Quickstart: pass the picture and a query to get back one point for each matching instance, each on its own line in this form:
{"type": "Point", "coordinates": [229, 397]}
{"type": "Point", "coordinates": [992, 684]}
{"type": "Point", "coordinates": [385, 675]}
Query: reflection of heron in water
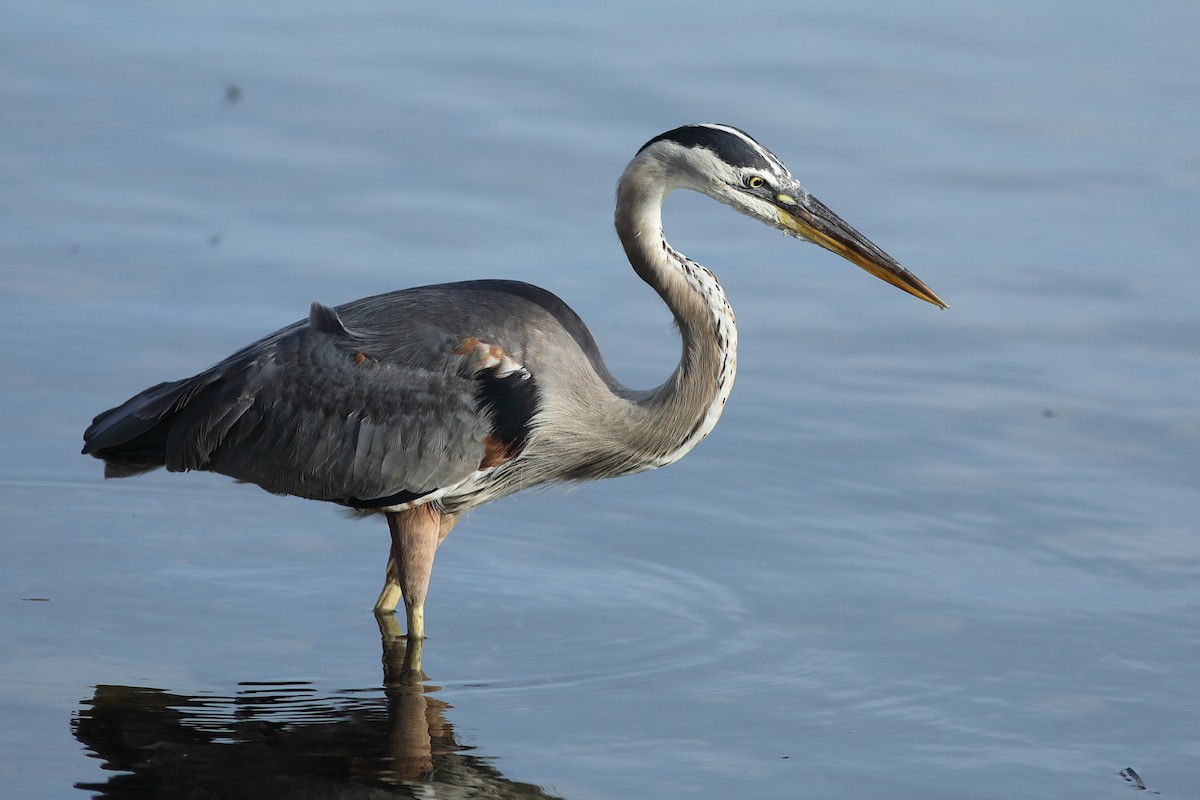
{"type": "Point", "coordinates": [424, 403]}
{"type": "Point", "coordinates": [281, 740]}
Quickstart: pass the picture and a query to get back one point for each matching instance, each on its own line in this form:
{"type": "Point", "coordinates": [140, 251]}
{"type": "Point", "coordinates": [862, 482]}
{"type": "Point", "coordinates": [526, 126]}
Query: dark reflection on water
{"type": "Point", "coordinates": [274, 740]}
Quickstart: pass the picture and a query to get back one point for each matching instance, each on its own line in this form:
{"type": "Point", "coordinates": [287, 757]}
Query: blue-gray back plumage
{"type": "Point", "coordinates": [375, 403]}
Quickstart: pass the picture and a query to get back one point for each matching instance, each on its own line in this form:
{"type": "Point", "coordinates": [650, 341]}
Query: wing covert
{"type": "Point", "coordinates": [321, 416]}
{"type": "Point", "coordinates": [363, 416]}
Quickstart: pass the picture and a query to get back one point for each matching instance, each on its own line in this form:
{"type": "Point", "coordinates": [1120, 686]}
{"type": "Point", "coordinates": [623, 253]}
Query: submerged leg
{"type": "Point", "coordinates": [416, 534]}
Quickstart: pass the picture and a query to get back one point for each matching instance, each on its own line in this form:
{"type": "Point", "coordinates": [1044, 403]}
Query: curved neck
{"type": "Point", "coordinates": [679, 413]}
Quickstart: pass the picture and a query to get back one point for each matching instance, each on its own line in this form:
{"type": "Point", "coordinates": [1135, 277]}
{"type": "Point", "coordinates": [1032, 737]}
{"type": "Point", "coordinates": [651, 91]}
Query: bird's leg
{"type": "Point", "coordinates": [389, 597]}
{"type": "Point", "coordinates": [416, 533]}
{"type": "Point", "coordinates": [448, 521]}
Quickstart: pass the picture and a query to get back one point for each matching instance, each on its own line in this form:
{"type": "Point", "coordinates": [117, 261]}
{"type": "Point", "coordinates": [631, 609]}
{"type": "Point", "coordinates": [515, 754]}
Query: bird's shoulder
{"type": "Point", "coordinates": [411, 325]}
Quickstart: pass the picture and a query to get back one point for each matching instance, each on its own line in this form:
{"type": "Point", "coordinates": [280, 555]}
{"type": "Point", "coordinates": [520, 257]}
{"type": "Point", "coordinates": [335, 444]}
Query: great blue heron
{"type": "Point", "coordinates": [424, 403]}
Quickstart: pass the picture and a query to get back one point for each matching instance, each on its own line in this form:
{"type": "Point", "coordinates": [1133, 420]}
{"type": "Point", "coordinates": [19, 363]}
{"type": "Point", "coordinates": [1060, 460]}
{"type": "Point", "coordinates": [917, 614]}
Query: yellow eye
{"type": "Point", "coordinates": [755, 182]}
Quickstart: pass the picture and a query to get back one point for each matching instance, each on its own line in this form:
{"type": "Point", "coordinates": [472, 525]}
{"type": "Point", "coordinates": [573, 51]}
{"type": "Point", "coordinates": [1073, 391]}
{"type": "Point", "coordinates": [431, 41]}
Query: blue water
{"type": "Point", "coordinates": [924, 554]}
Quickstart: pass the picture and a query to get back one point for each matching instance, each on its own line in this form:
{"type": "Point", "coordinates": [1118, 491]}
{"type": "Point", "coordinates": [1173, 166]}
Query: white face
{"type": "Point", "coordinates": [757, 187]}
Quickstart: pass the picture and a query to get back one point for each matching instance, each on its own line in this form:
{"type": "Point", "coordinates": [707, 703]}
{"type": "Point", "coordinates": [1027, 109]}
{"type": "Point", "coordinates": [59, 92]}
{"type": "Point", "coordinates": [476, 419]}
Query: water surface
{"type": "Point", "coordinates": [923, 555]}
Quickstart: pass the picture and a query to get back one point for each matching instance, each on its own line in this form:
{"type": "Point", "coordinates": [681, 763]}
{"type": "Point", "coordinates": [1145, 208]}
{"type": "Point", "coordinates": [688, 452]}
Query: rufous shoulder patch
{"type": "Point", "coordinates": [489, 356]}
{"type": "Point", "coordinates": [495, 452]}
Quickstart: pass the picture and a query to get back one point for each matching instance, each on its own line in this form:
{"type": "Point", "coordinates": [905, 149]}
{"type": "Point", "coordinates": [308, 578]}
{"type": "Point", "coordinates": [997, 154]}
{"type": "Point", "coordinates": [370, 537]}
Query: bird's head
{"type": "Point", "coordinates": [726, 164]}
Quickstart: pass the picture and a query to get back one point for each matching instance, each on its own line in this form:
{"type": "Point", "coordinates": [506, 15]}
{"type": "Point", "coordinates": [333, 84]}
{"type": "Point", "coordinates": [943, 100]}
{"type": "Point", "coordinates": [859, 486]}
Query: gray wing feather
{"type": "Point", "coordinates": [319, 409]}
{"type": "Point", "coordinates": [316, 414]}
{"type": "Point", "coordinates": [373, 399]}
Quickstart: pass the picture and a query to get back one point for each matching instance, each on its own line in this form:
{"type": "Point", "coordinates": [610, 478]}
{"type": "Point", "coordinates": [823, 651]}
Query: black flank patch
{"type": "Point", "coordinates": [511, 401]}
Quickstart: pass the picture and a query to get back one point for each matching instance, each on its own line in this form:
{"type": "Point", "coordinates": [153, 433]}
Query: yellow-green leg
{"type": "Point", "coordinates": [416, 534]}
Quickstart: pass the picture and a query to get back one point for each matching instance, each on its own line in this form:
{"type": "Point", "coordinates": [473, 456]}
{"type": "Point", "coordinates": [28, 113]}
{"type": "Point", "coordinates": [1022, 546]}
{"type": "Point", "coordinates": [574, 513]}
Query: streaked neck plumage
{"type": "Point", "coordinates": [680, 412]}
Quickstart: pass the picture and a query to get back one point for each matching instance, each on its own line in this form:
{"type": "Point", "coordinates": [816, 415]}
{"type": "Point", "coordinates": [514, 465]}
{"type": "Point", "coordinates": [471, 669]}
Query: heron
{"type": "Point", "coordinates": [423, 403]}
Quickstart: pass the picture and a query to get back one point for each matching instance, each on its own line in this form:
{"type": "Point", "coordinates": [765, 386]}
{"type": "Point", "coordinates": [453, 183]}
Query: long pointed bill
{"type": "Point", "coordinates": [813, 220]}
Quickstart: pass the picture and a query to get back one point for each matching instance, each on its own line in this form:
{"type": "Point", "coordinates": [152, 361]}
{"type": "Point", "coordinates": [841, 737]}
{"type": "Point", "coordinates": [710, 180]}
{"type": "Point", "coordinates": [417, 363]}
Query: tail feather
{"type": "Point", "coordinates": [132, 438]}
